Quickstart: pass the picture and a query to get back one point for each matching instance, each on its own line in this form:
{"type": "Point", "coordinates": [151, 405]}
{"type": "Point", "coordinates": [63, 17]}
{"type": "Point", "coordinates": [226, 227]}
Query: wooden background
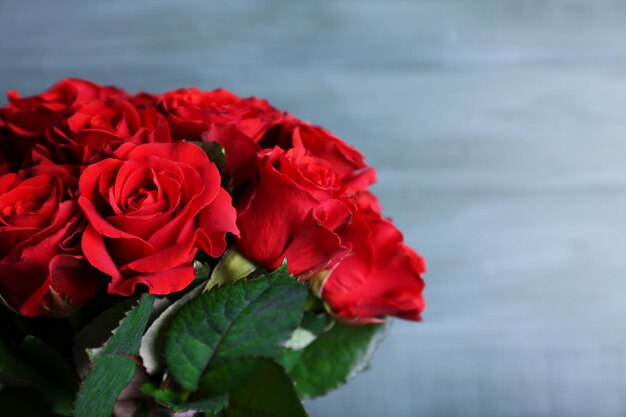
{"type": "Point", "coordinates": [499, 131]}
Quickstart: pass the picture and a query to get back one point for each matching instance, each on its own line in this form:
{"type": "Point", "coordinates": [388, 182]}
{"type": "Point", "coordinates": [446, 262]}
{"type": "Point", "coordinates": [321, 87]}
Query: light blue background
{"type": "Point", "coordinates": [499, 131]}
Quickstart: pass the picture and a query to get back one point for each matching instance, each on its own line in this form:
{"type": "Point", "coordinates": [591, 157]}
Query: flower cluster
{"type": "Point", "coordinates": [102, 191]}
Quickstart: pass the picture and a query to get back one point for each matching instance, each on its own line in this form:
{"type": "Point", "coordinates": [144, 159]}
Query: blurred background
{"type": "Point", "coordinates": [499, 132]}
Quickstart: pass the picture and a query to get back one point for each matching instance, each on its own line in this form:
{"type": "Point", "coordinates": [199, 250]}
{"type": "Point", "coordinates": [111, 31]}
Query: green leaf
{"type": "Point", "coordinates": [289, 357]}
{"type": "Point", "coordinates": [99, 391]}
{"type": "Point", "coordinates": [97, 333]}
{"type": "Point", "coordinates": [256, 387]}
{"type": "Point", "coordinates": [174, 401]}
{"type": "Point", "coordinates": [212, 405]}
{"type": "Point", "coordinates": [249, 317]}
{"type": "Point", "coordinates": [127, 337]}
{"type": "Point", "coordinates": [163, 395]}
{"type": "Point", "coordinates": [163, 311]}
{"type": "Point", "coordinates": [312, 326]}
{"type": "Point", "coordinates": [316, 323]}
{"type": "Point", "coordinates": [153, 341]}
{"type": "Point", "coordinates": [333, 358]}
{"type": "Point", "coordinates": [232, 267]}
{"type": "Point", "coordinates": [114, 367]}
{"type": "Point", "coordinates": [17, 366]}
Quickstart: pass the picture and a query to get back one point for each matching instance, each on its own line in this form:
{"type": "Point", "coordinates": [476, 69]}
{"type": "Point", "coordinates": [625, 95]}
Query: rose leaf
{"type": "Point", "coordinates": [97, 333]}
{"type": "Point", "coordinates": [333, 358]}
{"type": "Point", "coordinates": [114, 367]}
{"type": "Point", "coordinates": [99, 391]}
{"type": "Point", "coordinates": [256, 387]}
{"type": "Point", "coordinates": [153, 342]}
{"type": "Point", "coordinates": [174, 401]}
{"type": "Point", "coordinates": [127, 336]}
{"type": "Point", "coordinates": [248, 317]}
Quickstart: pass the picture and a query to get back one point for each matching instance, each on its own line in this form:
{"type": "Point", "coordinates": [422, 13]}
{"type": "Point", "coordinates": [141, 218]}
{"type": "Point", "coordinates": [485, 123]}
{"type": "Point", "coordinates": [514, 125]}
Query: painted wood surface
{"type": "Point", "coordinates": [499, 131]}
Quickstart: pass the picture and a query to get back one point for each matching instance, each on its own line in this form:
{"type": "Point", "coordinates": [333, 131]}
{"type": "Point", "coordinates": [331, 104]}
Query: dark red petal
{"type": "Point", "coordinates": [74, 279]}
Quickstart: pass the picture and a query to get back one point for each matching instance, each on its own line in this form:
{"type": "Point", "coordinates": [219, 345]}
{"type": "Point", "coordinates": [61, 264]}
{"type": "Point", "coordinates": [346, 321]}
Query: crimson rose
{"type": "Point", "coordinates": [31, 116]}
{"type": "Point", "coordinates": [28, 119]}
{"type": "Point", "coordinates": [223, 117]}
{"type": "Point", "coordinates": [300, 191]}
{"type": "Point", "coordinates": [347, 162]}
{"type": "Point", "coordinates": [149, 210]}
{"type": "Point", "coordinates": [380, 277]}
{"type": "Point", "coordinates": [96, 128]}
{"type": "Point", "coordinates": [42, 269]}
{"type": "Point", "coordinates": [292, 211]}
{"type": "Point", "coordinates": [193, 112]}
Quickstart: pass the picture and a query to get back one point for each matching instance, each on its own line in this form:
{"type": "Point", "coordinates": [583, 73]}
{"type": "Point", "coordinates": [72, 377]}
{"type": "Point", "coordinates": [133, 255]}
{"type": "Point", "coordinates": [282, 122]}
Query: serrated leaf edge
{"type": "Point", "coordinates": [148, 348]}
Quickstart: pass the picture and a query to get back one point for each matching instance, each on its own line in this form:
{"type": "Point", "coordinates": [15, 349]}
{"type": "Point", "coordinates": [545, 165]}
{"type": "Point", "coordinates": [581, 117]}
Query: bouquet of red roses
{"type": "Point", "coordinates": [186, 253]}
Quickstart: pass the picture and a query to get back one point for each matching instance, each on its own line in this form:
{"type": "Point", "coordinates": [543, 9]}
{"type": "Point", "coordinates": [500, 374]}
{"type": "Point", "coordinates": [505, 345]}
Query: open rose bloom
{"type": "Point", "coordinates": [186, 253]}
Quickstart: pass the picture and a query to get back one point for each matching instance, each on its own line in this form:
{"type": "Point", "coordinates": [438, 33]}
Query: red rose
{"type": "Point", "coordinates": [291, 212]}
{"type": "Point", "coordinates": [347, 162]}
{"type": "Point", "coordinates": [42, 270]}
{"type": "Point", "coordinates": [348, 165]}
{"type": "Point", "coordinates": [149, 210]}
{"type": "Point", "coordinates": [193, 112]}
{"type": "Point", "coordinates": [31, 116]}
{"type": "Point", "coordinates": [314, 175]}
{"type": "Point", "coordinates": [28, 119]}
{"type": "Point", "coordinates": [380, 277]}
{"type": "Point", "coordinates": [96, 128]}
{"type": "Point", "coordinates": [221, 116]}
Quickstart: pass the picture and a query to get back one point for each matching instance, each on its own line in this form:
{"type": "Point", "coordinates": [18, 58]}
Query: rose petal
{"type": "Point", "coordinates": [160, 283]}
{"type": "Point", "coordinates": [215, 221]}
{"type": "Point", "coordinates": [172, 257]}
{"type": "Point", "coordinates": [275, 213]}
{"type": "Point", "coordinates": [96, 253]}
